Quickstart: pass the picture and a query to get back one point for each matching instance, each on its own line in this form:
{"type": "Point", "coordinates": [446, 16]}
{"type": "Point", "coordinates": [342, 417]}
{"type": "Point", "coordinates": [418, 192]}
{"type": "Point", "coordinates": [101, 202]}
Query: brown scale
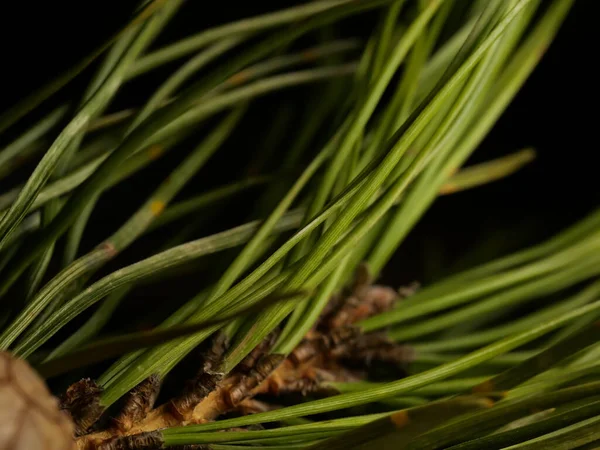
{"type": "Point", "coordinates": [393, 353]}
{"type": "Point", "coordinates": [375, 347]}
{"type": "Point", "coordinates": [203, 385]}
{"type": "Point", "coordinates": [213, 357]}
{"type": "Point", "coordinates": [151, 440]}
{"type": "Point", "coordinates": [243, 388]}
{"type": "Point", "coordinates": [310, 364]}
{"type": "Point", "coordinates": [309, 378]}
{"type": "Point", "coordinates": [138, 404]}
{"type": "Point", "coordinates": [363, 300]}
{"type": "Point", "coordinates": [205, 381]}
{"type": "Point", "coordinates": [322, 343]}
{"type": "Point", "coordinates": [248, 363]}
{"type": "Point", "coordinates": [304, 386]}
{"type": "Point", "coordinates": [82, 402]}
{"type": "Point", "coordinates": [399, 354]}
{"type": "Point", "coordinates": [361, 342]}
{"type": "Point", "coordinates": [338, 300]}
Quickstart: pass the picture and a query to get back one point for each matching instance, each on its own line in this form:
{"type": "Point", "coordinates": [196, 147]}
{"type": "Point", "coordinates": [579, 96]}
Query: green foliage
{"type": "Point", "coordinates": [390, 123]}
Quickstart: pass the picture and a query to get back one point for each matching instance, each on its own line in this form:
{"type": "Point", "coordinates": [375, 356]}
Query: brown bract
{"type": "Point", "coordinates": [363, 299]}
{"type": "Point", "coordinates": [81, 402]}
{"type": "Point", "coordinates": [29, 415]}
{"type": "Point", "coordinates": [139, 403]}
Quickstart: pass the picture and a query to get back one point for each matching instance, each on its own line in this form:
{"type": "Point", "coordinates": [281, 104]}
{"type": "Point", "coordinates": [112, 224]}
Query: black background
{"type": "Point", "coordinates": [555, 113]}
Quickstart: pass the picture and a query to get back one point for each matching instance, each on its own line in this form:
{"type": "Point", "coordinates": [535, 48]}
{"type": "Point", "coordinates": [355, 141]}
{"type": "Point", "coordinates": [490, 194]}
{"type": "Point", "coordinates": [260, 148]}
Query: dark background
{"type": "Point", "coordinates": [554, 113]}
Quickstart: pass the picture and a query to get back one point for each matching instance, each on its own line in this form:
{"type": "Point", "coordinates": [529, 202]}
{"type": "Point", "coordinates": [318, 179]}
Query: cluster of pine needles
{"type": "Point", "coordinates": [287, 340]}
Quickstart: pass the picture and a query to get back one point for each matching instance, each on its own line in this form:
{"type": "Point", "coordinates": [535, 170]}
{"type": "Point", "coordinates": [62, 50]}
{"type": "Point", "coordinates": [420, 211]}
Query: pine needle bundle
{"type": "Point", "coordinates": [271, 235]}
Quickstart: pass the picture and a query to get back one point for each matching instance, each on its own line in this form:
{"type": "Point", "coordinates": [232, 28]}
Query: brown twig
{"type": "Point", "coordinates": [319, 357]}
